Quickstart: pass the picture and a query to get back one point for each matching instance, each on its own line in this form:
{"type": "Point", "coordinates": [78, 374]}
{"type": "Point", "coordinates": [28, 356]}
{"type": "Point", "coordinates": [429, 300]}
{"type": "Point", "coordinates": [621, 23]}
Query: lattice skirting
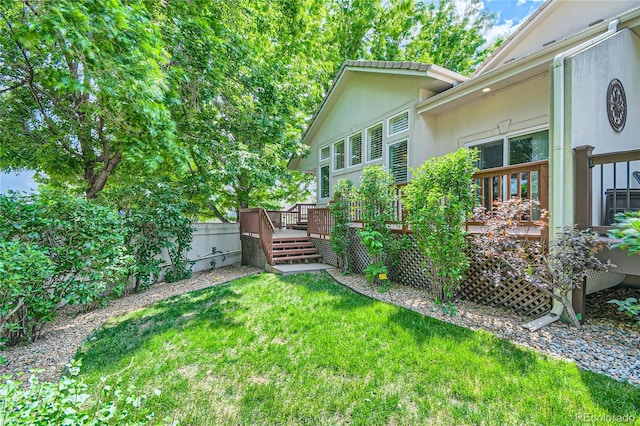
{"type": "Point", "coordinates": [408, 268]}
{"type": "Point", "coordinates": [324, 248]}
{"type": "Point", "coordinates": [515, 294]}
{"type": "Point", "coordinates": [252, 253]}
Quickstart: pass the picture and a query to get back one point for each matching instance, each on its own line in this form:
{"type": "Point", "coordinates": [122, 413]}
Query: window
{"type": "Point", "coordinates": [398, 161]}
{"type": "Point", "coordinates": [338, 155]}
{"type": "Point", "coordinates": [491, 155]}
{"type": "Point", "coordinates": [399, 123]}
{"type": "Point", "coordinates": [324, 182]}
{"type": "Point", "coordinates": [529, 148]}
{"type": "Point", "coordinates": [518, 150]}
{"type": "Point", "coordinates": [355, 149]}
{"type": "Point", "coordinates": [325, 153]}
{"type": "Point", "coordinates": [374, 142]}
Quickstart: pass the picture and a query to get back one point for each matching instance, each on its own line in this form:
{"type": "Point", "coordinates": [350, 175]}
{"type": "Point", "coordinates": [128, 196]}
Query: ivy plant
{"type": "Point", "coordinates": [340, 212]}
{"type": "Point", "coordinates": [439, 200]}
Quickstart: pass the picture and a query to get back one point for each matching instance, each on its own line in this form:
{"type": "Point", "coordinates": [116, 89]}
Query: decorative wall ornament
{"type": "Point", "coordinates": [616, 105]}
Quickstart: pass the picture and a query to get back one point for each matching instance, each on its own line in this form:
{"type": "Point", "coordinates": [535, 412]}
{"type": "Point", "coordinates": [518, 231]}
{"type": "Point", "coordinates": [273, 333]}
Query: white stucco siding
{"type": "Point", "coordinates": [517, 108]}
{"type": "Point", "coordinates": [590, 73]}
{"type": "Point", "coordinates": [365, 100]}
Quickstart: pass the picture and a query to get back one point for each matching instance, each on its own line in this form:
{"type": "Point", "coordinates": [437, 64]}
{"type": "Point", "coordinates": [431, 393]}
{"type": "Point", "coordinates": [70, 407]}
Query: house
{"type": "Point", "coordinates": [554, 113]}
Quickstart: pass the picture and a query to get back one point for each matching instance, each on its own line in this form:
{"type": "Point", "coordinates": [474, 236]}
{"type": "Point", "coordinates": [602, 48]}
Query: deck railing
{"type": "Point", "coordinates": [297, 214]}
{"type": "Point", "coordinates": [256, 222]}
{"type": "Point", "coordinates": [606, 184]}
{"type": "Point", "coordinates": [529, 181]}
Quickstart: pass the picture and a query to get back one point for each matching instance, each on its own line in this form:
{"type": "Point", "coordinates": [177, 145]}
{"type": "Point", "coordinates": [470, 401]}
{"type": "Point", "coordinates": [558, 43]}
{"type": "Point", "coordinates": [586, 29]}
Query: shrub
{"type": "Point", "coordinates": [339, 209]}
{"type": "Point", "coordinates": [377, 198]}
{"type": "Point", "coordinates": [68, 402]}
{"type": "Point", "coordinates": [155, 218]}
{"type": "Point", "coordinates": [557, 271]}
{"type": "Point", "coordinates": [627, 232]}
{"type": "Point", "coordinates": [26, 297]}
{"type": "Point", "coordinates": [630, 306]}
{"type": "Point", "coordinates": [83, 241]}
{"type": "Point", "coordinates": [439, 200]}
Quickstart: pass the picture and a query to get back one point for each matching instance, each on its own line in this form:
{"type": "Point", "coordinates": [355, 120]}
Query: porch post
{"type": "Point", "coordinates": [582, 214]}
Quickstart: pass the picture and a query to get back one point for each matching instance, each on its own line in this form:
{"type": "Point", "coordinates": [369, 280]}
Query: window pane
{"type": "Point", "coordinates": [525, 149]}
{"type": "Point", "coordinates": [398, 161]}
{"type": "Point", "coordinates": [324, 182]}
{"type": "Point", "coordinates": [338, 152]}
{"type": "Point", "coordinates": [399, 123]}
{"type": "Point", "coordinates": [374, 142]}
{"type": "Point", "coordinates": [355, 148]}
{"type": "Point", "coordinates": [325, 153]}
{"type": "Point", "coordinates": [491, 155]}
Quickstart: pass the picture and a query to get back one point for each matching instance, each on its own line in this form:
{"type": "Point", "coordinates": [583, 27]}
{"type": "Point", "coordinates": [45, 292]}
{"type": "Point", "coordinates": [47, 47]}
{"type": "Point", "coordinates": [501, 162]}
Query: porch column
{"type": "Point", "coordinates": [582, 210]}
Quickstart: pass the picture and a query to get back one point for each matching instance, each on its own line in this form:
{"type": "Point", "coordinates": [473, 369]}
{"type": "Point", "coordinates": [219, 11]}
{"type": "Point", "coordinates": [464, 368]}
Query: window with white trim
{"type": "Point", "coordinates": [325, 153]}
{"type": "Point", "coordinates": [511, 150]}
{"type": "Point", "coordinates": [323, 181]}
{"type": "Point", "coordinates": [338, 155]}
{"type": "Point", "coordinates": [399, 123]}
{"type": "Point", "coordinates": [398, 161]}
{"type": "Point", "coordinates": [374, 142]}
{"type": "Point", "coordinates": [355, 149]}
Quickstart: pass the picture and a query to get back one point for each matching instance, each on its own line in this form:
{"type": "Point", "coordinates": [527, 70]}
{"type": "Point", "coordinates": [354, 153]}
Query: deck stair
{"type": "Point", "coordinates": [300, 226]}
{"type": "Point", "coordinates": [294, 249]}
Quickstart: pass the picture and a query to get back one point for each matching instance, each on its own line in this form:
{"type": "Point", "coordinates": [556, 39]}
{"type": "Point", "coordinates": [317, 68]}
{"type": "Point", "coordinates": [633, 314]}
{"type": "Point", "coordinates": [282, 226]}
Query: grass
{"type": "Point", "coordinates": [302, 350]}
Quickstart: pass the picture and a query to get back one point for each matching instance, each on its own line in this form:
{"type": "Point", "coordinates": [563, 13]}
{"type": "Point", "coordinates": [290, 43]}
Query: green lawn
{"type": "Point", "coordinates": [303, 350]}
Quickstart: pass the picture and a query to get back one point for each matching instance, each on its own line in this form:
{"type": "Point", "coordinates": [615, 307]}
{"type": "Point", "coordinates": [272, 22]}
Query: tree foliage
{"type": "Point", "coordinates": [439, 200]}
{"type": "Point", "coordinates": [212, 95]}
{"type": "Point", "coordinates": [83, 89]}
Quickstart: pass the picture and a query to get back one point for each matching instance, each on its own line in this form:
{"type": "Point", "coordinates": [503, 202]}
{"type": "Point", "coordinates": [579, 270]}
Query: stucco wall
{"type": "Point", "coordinates": [515, 109]}
{"type": "Point", "coordinates": [590, 73]}
{"type": "Point", "coordinates": [364, 100]}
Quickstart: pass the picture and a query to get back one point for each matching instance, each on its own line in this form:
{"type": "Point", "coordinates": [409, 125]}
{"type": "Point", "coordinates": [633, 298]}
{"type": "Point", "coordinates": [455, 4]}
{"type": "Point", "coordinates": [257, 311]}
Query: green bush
{"type": "Point", "coordinates": [627, 232]}
{"type": "Point", "coordinates": [339, 209]}
{"type": "Point", "coordinates": [26, 299]}
{"type": "Point", "coordinates": [83, 242]}
{"type": "Point", "coordinates": [68, 402]}
{"type": "Point", "coordinates": [378, 200]}
{"type": "Point", "coordinates": [439, 200]}
{"type": "Point", "coordinates": [155, 217]}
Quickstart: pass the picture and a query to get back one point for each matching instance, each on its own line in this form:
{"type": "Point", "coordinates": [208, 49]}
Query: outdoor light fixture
{"type": "Point", "coordinates": [486, 90]}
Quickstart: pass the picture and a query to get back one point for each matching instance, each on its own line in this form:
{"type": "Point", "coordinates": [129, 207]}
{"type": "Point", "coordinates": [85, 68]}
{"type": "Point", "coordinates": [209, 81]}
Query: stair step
{"type": "Point", "coordinates": [291, 252]}
{"type": "Point", "coordinates": [304, 239]}
{"type": "Point", "coordinates": [293, 245]}
{"type": "Point", "coordinates": [286, 259]}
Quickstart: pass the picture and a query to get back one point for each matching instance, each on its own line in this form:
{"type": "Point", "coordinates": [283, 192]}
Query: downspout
{"type": "Point", "coordinates": [561, 160]}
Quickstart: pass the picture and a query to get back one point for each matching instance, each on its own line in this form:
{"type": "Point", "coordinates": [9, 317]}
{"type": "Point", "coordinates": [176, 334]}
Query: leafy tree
{"type": "Point", "coordinates": [82, 90]}
{"type": "Point", "coordinates": [439, 200]}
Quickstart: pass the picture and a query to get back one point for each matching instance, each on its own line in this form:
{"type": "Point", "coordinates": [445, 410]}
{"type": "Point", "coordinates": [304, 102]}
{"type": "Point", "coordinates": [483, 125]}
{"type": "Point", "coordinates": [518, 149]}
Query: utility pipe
{"type": "Point", "coordinates": [558, 159]}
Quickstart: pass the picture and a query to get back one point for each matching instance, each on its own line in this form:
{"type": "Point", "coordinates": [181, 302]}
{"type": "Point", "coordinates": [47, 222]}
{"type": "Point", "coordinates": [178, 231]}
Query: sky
{"type": "Point", "coordinates": [509, 14]}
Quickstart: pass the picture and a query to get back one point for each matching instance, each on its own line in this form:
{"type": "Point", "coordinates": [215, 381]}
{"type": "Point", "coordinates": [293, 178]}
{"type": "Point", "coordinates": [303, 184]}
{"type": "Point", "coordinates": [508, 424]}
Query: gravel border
{"type": "Point", "coordinates": [608, 347]}
{"type": "Point", "coordinates": [603, 346]}
{"type": "Point", "coordinates": [61, 338]}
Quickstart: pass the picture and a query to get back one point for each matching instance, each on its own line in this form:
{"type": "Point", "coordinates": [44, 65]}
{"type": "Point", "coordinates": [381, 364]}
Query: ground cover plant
{"type": "Point", "coordinates": [301, 349]}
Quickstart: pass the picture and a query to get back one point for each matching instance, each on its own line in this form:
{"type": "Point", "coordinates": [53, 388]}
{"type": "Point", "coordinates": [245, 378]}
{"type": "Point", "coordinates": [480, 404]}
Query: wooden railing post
{"type": "Point", "coordinates": [583, 186]}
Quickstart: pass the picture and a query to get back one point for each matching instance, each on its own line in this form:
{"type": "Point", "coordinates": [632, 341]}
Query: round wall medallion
{"type": "Point", "coordinates": [616, 105]}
